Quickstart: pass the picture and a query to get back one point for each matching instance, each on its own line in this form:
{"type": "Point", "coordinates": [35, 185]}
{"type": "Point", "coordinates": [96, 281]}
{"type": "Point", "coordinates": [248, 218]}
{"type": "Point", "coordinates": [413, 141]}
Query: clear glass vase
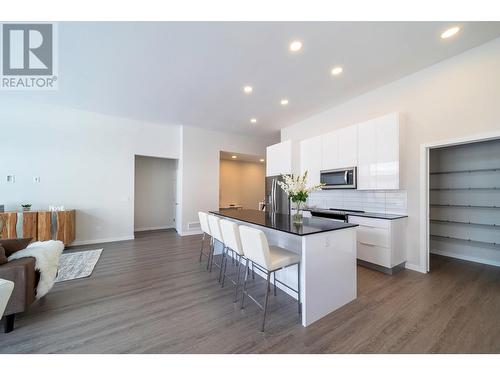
{"type": "Point", "coordinates": [298, 215]}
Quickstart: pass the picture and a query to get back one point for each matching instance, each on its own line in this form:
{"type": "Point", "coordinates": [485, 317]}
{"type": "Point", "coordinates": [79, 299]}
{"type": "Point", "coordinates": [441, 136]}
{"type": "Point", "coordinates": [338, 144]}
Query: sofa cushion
{"type": "Point", "coordinates": [3, 257]}
{"type": "Point", "coordinates": [11, 245]}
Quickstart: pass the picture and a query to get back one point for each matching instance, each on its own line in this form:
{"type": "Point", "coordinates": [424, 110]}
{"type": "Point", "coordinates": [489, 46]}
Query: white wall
{"type": "Point", "coordinates": [85, 161]}
{"type": "Point", "coordinates": [154, 193]}
{"type": "Point", "coordinates": [457, 97]}
{"type": "Point", "coordinates": [200, 169]}
{"type": "Point", "coordinates": [242, 183]}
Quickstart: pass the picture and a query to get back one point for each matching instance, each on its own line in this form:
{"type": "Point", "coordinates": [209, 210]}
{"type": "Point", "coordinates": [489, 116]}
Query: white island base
{"type": "Point", "coordinates": [328, 268]}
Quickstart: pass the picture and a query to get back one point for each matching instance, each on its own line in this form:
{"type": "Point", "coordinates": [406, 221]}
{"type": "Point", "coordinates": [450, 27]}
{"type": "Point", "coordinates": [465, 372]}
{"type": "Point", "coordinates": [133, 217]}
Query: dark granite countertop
{"type": "Point", "coordinates": [373, 215]}
{"type": "Point", "coordinates": [284, 223]}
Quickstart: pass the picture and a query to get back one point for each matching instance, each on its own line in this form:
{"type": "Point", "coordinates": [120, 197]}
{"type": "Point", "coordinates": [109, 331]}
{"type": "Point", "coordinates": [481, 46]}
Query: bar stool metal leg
{"type": "Point", "coordinates": [244, 286]}
{"type": "Point", "coordinates": [237, 279]}
{"type": "Point", "coordinates": [211, 257]}
{"type": "Point", "coordinates": [202, 242]}
{"type": "Point", "coordinates": [265, 303]}
{"type": "Point", "coordinates": [274, 276]}
{"type": "Point", "coordinates": [223, 257]}
{"type": "Point", "coordinates": [225, 267]}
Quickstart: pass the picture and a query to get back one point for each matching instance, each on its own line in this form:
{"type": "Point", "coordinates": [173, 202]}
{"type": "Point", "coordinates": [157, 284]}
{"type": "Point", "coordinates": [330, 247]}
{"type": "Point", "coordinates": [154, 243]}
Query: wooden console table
{"type": "Point", "coordinates": [39, 225]}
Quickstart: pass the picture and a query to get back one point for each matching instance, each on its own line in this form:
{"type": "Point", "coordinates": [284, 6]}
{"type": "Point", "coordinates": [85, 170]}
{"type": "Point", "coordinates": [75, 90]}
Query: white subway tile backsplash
{"type": "Point", "coordinates": [381, 201]}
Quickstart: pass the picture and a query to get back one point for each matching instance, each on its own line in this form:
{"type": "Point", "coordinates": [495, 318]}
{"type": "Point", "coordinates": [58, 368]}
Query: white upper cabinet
{"type": "Point", "coordinates": [378, 153]}
{"type": "Point", "coordinates": [348, 147]}
{"type": "Point", "coordinates": [388, 152]}
{"type": "Point", "coordinates": [330, 150]}
{"type": "Point", "coordinates": [340, 148]}
{"type": "Point", "coordinates": [367, 156]}
{"type": "Point", "coordinates": [279, 159]}
{"type": "Point", "coordinates": [310, 159]}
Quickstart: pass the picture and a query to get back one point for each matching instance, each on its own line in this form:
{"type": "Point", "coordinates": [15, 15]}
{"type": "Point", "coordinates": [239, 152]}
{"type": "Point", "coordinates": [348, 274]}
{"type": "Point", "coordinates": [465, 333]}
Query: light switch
{"type": "Point", "coordinates": [36, 179]}
{"type": "Point", "coordinates": [11, 178]}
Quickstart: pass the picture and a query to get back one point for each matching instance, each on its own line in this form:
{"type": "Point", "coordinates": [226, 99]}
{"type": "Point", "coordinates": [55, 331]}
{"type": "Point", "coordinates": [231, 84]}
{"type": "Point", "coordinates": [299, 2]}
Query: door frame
{"type": "Point", "coordinates": [177, 204]}
{"type": "Point", "coordinates": [424, 187]}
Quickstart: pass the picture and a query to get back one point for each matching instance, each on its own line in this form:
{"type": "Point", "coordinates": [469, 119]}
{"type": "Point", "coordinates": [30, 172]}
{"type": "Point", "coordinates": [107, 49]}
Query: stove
{"type": "Point", "coordinates": [337, 214]}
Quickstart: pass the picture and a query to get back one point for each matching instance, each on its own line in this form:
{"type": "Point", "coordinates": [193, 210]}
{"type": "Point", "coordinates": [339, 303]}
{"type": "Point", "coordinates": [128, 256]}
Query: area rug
{"type": "Point", "coordinates": [77, 265]}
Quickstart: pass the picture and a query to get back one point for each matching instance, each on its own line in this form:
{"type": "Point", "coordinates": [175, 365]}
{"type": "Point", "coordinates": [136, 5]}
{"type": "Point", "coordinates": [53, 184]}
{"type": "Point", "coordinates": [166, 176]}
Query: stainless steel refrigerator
{"type": "Point", "coordinates": [276, 199]}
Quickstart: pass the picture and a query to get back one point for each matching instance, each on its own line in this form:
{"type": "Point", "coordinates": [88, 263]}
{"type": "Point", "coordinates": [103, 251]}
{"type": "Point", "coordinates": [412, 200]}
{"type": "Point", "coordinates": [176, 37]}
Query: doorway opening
{"type": "Point", "coordinates": [242, 181]}
{"type": "Point", "coordinates": [463, 202]}
{"type": "Point", "coordinates": [155, 193]}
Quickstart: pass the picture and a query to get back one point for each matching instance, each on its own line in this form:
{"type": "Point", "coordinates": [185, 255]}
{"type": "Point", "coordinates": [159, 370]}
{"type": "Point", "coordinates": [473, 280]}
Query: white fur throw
{"type": "Point", "coordinates": [46, 254]}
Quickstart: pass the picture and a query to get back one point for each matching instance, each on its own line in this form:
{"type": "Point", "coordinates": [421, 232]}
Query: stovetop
{"type": "Point", "coordinates": [341, 210]}
{"type": "Point", "coordinates": [340, 213]}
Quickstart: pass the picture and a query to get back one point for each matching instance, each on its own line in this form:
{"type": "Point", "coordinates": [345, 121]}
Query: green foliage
{"type": "Point", "coordinates": [300, 196]}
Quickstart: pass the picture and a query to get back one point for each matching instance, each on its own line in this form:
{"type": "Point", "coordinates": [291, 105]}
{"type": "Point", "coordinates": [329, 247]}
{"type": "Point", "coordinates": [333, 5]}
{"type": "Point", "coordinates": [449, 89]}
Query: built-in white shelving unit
{"type": "Point", "coordinates": [465, 201]}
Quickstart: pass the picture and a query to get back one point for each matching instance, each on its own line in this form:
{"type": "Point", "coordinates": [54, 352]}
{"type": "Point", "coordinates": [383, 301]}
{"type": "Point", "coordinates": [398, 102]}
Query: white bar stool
{"type": "Point", "coordinates": [205, 228]}
{"type": "Point", "coordinates": [232, 240]}
{"type": "Point", "coordinates": [215, 230]}
{"type": "Point", "coordinates": [270, 259]}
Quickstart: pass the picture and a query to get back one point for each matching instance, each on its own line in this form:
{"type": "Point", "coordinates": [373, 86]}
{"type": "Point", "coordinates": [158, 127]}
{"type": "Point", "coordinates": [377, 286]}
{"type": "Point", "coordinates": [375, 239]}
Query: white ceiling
{"type": "Point", "coordinates": [225, 155]}
{"type": "Point", "coordinates": [193, 73]}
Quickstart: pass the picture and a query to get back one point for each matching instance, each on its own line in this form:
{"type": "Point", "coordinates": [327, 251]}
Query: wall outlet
{"type": "Point", "coordinates": [11, 178]}
{"type": "Point", "coordinates": [36, 179]}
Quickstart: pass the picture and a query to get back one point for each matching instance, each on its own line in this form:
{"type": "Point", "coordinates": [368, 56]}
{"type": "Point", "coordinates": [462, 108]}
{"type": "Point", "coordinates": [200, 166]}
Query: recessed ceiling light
{"type": "Point", "coordinates": [450, 32]}
{"type": "Point", "coordinates": [262, 160]}
{"type": "Point", "coordinates": [295, 46]}
{"type": "Point", "coordinates": [233, 157]}
{"type": "Point", "coordinates": [337, 70]}
{"type": "Point", "coordinates": [253, 120]}
{"type": "Point", "coordinates": [284, 101]}
{"type": "Point", "coordinates": [248, 89]}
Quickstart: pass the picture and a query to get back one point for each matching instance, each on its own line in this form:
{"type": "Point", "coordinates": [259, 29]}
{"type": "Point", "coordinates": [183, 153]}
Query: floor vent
{"type": "Point", "coordinates": [195, 225]}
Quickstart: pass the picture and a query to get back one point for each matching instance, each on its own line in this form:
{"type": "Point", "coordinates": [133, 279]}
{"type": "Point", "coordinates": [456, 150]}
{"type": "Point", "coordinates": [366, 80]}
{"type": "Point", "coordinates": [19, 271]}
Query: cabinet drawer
{"type": "Point", "coordinates": [370, 222]}
{"type": "Point", "coordinates": [373, 236]}
{"type": "Point", "coordinates": [374, 254]}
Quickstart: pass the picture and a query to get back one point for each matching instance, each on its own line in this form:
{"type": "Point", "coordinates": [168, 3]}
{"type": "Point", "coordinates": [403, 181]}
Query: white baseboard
{"type": "Point", "coordinates": [465, 257]}
{"type": "Point", "coordinates": [102, 240]}
{"type": "Point", "coordinates": [153, 228]}
{"type": "Point", "coordinates": [415, 267]}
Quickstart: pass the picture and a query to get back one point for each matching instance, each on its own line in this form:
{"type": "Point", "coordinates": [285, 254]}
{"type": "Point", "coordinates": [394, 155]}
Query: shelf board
{"type": "Point", "coordinates": [463, 206]}
{"type": "Point", "coordinates": [464, 223]}
{"type": "Point", "coordinates": [465, 240]}
{"type": "Point", "coordinates": [467, 171]}
{"type": "Point", "coordinates": [466, 188]}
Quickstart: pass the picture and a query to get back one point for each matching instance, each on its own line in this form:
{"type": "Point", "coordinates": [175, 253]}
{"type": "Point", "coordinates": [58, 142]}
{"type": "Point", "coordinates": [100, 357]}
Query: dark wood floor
{"type": "Point", "coordinates": [151, 295]}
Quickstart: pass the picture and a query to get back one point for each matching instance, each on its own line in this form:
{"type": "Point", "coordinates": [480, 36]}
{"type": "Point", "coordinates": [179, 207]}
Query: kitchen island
{"type": "Point", "coordinates": [328, 258]}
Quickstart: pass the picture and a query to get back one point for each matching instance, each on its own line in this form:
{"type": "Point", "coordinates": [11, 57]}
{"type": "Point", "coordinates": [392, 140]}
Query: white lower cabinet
{"type": "Point", "coordinates": [380, 241]}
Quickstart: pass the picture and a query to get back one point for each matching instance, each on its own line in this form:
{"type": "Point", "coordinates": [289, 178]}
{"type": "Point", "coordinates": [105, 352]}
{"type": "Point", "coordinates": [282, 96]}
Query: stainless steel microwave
{"type": "Point", "coordinates": [343, 178]}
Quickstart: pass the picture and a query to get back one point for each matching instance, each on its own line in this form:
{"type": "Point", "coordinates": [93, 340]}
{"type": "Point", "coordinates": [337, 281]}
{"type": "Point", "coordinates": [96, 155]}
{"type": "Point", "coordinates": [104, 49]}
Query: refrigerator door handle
{"type": "Point", "coordinates": [273, 196]}
{"type": "Point", "coordinates": [275, 204]}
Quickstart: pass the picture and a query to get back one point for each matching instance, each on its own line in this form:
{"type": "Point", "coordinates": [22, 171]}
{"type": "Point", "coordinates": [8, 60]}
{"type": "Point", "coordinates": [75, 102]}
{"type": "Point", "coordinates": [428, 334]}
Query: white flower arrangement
{"type": "Point", "coordinates": [296, 188]}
